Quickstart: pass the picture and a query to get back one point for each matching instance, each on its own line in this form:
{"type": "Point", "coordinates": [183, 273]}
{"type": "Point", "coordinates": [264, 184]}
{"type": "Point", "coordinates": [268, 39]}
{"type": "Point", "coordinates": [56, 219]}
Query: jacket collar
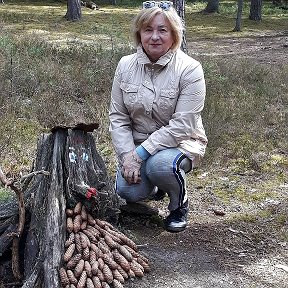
{"type": "Point", "coordinates": [162, 61]}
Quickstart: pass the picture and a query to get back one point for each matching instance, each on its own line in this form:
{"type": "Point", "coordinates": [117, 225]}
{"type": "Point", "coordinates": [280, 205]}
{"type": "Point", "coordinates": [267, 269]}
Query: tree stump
{"type": "Point", "coordinates": [76, 173]}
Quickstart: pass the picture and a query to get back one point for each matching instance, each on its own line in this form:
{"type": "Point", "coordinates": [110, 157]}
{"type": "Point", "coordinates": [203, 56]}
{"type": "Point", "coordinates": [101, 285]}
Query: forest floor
{"type": "Point", "coordinates": [238, 227]}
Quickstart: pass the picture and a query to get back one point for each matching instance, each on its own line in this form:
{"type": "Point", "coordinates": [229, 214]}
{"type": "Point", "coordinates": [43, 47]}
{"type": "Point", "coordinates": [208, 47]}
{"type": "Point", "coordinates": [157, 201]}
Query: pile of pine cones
{"type": "Point", "coordinates": [98, 255]}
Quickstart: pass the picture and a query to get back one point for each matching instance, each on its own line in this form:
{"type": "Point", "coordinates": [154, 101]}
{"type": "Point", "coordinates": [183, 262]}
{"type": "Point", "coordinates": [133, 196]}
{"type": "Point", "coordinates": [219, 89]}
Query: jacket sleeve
{"type": "Point", "coordinates": [185, 123]}
{"type": "Point", "coordinates": [120, 123]}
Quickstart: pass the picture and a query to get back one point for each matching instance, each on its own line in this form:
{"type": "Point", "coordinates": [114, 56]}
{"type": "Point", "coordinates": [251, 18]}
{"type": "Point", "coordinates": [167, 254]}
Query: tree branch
{"type": "Point", "coordinates": [16, 236]}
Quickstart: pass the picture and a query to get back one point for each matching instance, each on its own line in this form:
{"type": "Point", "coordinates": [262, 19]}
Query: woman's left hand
{"type": "Point", "coordinates": [131, 165]}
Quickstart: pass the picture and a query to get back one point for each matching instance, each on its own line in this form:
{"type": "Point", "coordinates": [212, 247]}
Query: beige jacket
{"type": "Point", "coordinates": [158, 105]}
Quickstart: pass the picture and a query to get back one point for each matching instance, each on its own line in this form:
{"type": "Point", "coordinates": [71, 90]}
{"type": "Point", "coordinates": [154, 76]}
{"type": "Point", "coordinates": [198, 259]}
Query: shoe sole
{"type": "Point", "coordinates": [175, 230]}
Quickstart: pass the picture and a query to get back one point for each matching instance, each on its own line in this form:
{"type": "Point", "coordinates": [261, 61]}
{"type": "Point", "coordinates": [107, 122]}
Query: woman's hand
{"type": "Point", "coordinates": [131, 165]}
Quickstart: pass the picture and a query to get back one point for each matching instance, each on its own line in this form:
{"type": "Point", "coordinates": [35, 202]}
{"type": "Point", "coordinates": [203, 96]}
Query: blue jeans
{"type": "Point", "coordinates": [167, 170]}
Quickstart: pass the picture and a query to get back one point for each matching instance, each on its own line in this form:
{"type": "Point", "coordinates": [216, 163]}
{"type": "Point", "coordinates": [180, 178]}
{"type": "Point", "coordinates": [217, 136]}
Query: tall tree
{"type": "Point", "coordinates": [74, 12]}
{"type": "Point", "coordinates": [212, 6]}
{"type": "Point", "coordinates": [180, 8]}
{"type": "Point", "coordinates": [239, 16]}
{"type": "Point", "coordinates": [256, 10]}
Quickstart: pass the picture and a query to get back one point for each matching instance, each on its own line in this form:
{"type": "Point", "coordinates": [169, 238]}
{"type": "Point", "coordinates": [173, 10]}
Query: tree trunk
{"type": "Point", "coordinates": [180, 8]}
{"type": "Point", "coordinates": [73, 10]}
{"type": "Point", "coordinates": [212, 6]}
{"type": "Point", "coordinates": [239, 16]}
{"type": "Point", "coordinates": [256, 10]}
{"type": "Point", "coordinates": [74, 166]}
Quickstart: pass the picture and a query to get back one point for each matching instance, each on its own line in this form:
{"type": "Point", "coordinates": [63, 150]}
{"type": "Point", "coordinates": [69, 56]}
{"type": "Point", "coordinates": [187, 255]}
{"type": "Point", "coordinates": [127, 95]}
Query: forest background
{"type": "Point", "coordinates": [53, 72]}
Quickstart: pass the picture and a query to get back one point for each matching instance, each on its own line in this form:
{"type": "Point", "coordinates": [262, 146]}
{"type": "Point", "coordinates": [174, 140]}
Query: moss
{"type": "Point", "coordinates": [5, 194]}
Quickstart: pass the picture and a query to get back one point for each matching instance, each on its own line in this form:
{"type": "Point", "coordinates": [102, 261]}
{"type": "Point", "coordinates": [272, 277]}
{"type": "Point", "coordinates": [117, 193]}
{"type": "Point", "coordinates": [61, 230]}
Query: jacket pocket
{"type": "Point", "coordinates": [129, 94]}
{"type": "Point", "coordinates": [167, 101]}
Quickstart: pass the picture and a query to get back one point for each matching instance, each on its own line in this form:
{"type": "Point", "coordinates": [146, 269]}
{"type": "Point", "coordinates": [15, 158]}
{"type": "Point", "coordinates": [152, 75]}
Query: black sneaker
{"type": "Point", "coordinates": [159, 195]}
{"type": "Point", "coordinates": [177, 219]}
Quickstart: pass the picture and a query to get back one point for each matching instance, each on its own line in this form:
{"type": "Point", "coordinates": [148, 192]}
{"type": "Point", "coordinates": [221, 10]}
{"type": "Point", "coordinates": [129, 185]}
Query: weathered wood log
{"type": "Point", "coordinates": [74, 168]}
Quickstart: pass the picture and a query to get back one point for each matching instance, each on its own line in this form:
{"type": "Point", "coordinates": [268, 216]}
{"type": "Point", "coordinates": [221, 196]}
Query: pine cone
{"type": "Point", "coordinates": [82, 280]}
{"type": "Point", "coordinates": [117, 275]}
{"type": "Point", "coordinates": [93, 257]}
{"type": "Point", "coordinates": [86, 253]}
{"type": "Point", "coordinates": [78, 208]}
{"type": "Point", "coordinates": [100, 263]}
{"type": "Point", "coordinates": [95, 232]}
{"type": "Point", "coordinates": [131, 273]}
{"type": "Point", "coordinates": [97, 250]}
{"type": "Point", "coordinates": [108, 275]}
{"type": "Point", "coordinates": [77, 223]}
{"type": "Point", "coordinates": [110, 262]}
{"type": "Point", "coordinates": [73, 261]}
{"type": "Point", "coordinates": [99, 223]}
{"type": "Point", "coordinates": [88, 268]}
{"type": "Point", "coordinates": [70, 240]}
{"type": "Point", "coordinates": [122, 272]}
{"type": "Point", "coordinates": [144, 264]}
{"type": "Point", "coordinates": [63, 277]}
{"type": "Point", "coordinates": [72, 278]}
{"type": "Point", "coordinates": [83, 225]}
{"type": "Point", "coordinates": [121, 260]}
{"type": "Point", "coordinates": [84, 214]}
{"type": "Point", "coordinates": [125, 253]}
{"type": "Point", "coordinates": [100, 275]}
{"type": "Point", "coordinates": [89, 283]}
{"type": "Point", "coordinates": [79, 268]}
{"type": "Point", "coordinates": [117, 284]}
{"type": "Point", "coordinates": [105, 285]}
{"type": "Point", "coordinates": [90, 235]}
{"type": "Point", "coordinates": [85, 242]}
{"type": "Point", "coordinates": [137, 269]}
{"type": "Point", "coordinates": [132, 251]}
{"type": "Point", "coordinates": [69, 252]}
{"type": "Point", "coordinates": [110, 242]}
{"type": "Point", "coordinates": [69, 224]}
{"type": "Point", "coordinates": [128, 241]}
{"type": "Point", "coordinates": [94, 268]}
{"type": "Point", "coordinates": [96, 282]}
{"type": "Point", "coordinates": [90, 219]}
{"type": "Point", "coordinates": [78, 243]}
{"type": "Point", "coordinates": [69, 212]}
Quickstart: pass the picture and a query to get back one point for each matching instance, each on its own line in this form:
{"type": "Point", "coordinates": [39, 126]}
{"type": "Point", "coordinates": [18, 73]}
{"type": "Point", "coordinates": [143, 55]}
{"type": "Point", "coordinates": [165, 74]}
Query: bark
{"type": "Point", "coordinates": [212, 6]}
{"type": "Point", "coordinates": [180, 8]}
{"type": "Point", "coordinates": [256, 10]}
{"type": "Point", "coordinates": [73, 165]}
{"type": "Point", "coordinates": [239, 16]}
{"type": "Point", "coordinates": [73, 10]}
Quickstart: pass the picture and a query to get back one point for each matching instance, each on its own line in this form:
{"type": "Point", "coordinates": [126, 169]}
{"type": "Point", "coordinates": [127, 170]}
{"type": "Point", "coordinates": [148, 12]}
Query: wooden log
{"type": "Point", "coordinates": [74, 168]}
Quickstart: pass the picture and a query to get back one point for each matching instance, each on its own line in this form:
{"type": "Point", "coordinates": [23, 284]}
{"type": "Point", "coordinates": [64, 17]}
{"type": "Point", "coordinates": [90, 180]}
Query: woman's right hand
{"type": "Point", "coordinates": [131, 165]}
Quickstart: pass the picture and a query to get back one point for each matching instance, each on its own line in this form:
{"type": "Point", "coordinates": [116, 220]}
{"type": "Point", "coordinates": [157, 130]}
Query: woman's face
{"type": "Point", "coordinates": [156, 38]}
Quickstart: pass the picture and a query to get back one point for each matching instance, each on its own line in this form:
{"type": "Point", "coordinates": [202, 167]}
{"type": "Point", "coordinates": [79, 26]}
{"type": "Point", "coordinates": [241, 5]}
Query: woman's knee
{"type": "Point", "coordinates": [131, 193]}
{"type": "Point", "coordinates": [163, 163]}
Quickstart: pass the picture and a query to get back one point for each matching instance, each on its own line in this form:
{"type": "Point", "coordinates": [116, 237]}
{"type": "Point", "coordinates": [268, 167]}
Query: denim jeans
{"type": "Point", "coordinates": [167, 170]}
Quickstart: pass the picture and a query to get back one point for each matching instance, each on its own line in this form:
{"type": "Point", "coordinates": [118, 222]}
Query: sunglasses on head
{"type": "Point", "coordinates": [165, 5]}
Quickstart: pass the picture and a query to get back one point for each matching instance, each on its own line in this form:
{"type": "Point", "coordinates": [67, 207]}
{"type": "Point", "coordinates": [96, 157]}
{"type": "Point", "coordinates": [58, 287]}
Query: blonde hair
{"type": "Point", "coordinates": [144, 18]}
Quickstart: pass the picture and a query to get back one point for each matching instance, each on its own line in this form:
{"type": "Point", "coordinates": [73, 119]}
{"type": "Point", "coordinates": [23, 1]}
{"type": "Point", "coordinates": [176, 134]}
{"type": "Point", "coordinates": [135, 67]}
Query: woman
{"type": "Point", "coordinates": [155, 123]}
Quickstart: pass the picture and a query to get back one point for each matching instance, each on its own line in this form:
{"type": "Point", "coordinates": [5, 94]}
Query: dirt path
{"type": "Point", "coordinates": [272, 48]}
